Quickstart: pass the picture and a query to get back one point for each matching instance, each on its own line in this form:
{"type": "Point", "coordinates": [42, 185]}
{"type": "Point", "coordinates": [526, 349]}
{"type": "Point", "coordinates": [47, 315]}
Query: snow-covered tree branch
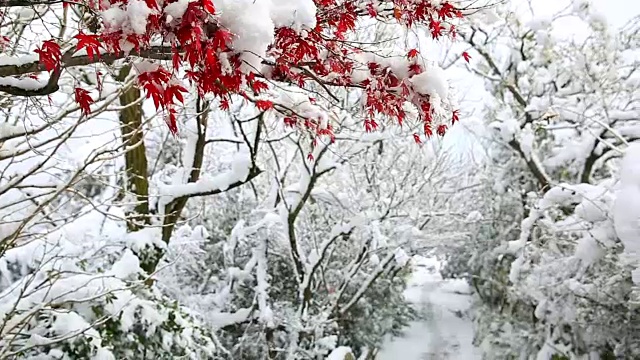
{"type": "Point", "coordinates": [551, 263]}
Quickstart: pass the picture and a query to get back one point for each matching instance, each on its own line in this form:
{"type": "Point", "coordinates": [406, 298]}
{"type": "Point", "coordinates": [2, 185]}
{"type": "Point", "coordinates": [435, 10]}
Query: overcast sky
{"type": "Point", "coordinates": [617, 12]}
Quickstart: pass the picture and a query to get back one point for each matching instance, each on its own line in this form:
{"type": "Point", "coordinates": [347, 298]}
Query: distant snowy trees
{"type": "Point", "coordinates": [551, 263]}
{"type": "Point", "coordinates": [216, 179]}
{"type": "Point", "coordinates": [319, 256]}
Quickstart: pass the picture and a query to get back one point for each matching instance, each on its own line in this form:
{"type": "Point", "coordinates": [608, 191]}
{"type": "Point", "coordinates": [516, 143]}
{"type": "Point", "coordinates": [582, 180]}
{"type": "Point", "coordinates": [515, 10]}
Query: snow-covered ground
{"type": "Point", "coordinates": [447, 332]}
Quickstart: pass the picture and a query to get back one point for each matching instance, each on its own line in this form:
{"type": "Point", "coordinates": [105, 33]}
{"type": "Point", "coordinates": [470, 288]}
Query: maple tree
{"type": "Point", "coordinates": [188, 40]}
{"type": "Point", "coordinates": [299, 62]}
{"type": "Point", "coordinates": [285, 73]}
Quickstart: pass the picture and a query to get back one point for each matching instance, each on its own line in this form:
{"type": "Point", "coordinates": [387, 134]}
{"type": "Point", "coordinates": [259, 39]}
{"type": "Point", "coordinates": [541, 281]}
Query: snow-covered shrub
{"type": "Point", "coordinates": [548, 266]}
{"type": "Point", "coordinates": [82, 295]}
{"type": "Point", "coordinates": [275, 279]}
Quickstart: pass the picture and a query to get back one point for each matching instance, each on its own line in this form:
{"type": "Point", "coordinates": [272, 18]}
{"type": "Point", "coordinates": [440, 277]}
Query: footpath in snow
{"type": "Point", "coordinates": [446, 332]}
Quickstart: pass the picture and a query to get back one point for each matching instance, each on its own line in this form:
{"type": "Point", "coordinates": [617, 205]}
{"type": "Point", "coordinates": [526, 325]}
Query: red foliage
{"type": "Point", "coordinates": [370, 125]}
{"type": "Point", "coordinates": [49, 55]}
{"type": "Point", "coordinates": [158, 86]}
{"type": "Point", "coordinates": [4, 41]}
{"type": "Point", "coordinates": [91, 43]}
{"type": "Point", "coordinates": [290, 121]}
{"type": "Point", "coordinates": [466, 56]}
{"type": "Point", "coordinates": [442, 129]}
{"type": "Point", "coordinates": [84, 100]}
{"type": "Point", "coordinates": [259, 86]}
{"type": "Point", "coordinates": [264, 105]}
{"type": "Point", "coordinates": [455, 116]}
{"type": "Point", "coordinates": [203, 48]}
{"type": "Point", "coordinates": [207, 5]}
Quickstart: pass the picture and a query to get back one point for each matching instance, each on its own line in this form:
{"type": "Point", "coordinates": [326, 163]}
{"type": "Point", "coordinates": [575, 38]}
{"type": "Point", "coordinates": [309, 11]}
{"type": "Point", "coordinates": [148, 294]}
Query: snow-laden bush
{"type": "Point", "coordinates": [78, 293]}
{"type": "Point", "coordinates": [277, 279]}
{"type": "Point", "coordinates": [549, 263]}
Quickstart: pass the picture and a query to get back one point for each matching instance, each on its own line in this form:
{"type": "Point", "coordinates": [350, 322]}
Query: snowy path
{"type": "Point", "coordinates": [444, 335]}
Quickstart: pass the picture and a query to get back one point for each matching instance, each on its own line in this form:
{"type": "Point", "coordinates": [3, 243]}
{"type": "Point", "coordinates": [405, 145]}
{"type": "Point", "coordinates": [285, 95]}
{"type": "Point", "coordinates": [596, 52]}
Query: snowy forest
{"type": "Point", "coordinates": [319, 179]}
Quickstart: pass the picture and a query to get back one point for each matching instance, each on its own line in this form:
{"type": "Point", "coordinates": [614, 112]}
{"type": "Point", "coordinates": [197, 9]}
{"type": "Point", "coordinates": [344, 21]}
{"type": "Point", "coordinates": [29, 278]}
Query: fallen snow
{"type": "Point", "coordinates": [7, 130]}
{"type": "Point", "coordinates": [448, 332]}
{"type": "Point", "coordinates": [176, 9]}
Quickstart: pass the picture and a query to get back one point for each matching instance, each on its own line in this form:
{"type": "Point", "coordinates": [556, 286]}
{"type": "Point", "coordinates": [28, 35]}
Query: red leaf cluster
{"type": "Point", "coordinates": [84, 100]}
{"type": "Point", "coordinates": [49, 55]}
{"type": "Point", "coordinates": [203, 48]}
{"type": "Point", "coordinates": [158, 85]}
{"type": "Point", "coordinates": [90, 43]}
{"type": "Point", "coordinates": [264, 105]}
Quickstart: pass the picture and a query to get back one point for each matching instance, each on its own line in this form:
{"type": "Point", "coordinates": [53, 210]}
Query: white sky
{"type": "Point", "coordinates": [617, 12]}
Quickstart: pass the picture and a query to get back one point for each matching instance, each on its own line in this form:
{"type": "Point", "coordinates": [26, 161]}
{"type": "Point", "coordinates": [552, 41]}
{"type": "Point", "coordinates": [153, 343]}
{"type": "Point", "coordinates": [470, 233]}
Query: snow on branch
{"type": "Point", "coordinates": [209, 185]}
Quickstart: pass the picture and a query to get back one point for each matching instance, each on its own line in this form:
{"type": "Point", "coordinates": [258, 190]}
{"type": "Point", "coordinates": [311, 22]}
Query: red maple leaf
{"type": "Point", "coordinates": [154, 92]}
{"type": "Point", "coordinates": [4, 41]}
{"type": "Point", "coordinates": [211, 57]}
{"type": "Point", "coordinates": [372, 10]}
{"type": "Point", "coordinates": [152, 82]}
{"type": "Point", "coordinates": [442, 129]}
{"type": "Point", "coordinates": [176, 60]}
{"type": "Point", "coordinates": [264, 105]}
{"type": "Point", "coordinates": [455, 116]}
{"type": "Point", "coordinates": [224, 104]}
{"type": "Point", "coordinates": [152, 4]}
{"type": "Point", "coordinates": [370, 125]}
{"type": "Point", "coordinates": [412, 53]}
{"type": "Point", "coordinates": [171, 120]}
{"type": "Point", "coordinates": [174, 91]}
{"type": "Point", "coordinates": [49, 55]}
{"type": "Point", "coordinates": [259, 86]}
{"type": "Point", "coordinates": [427, 130]}
{"type": "Point", "coordinates": [290, 121]}
{"type": "Point", "coordinates": [208, 6]}
{"type": "Point", "coordinates": [83, 99]}
{"type": "Point", "coordinates": [416, 68]}
{"type": "Point", "coordinates": [416, 138]}
{"type": "Point", "coordinates": [466, 56]}
{"type": "Point", "coordinates": [221, 38]}
{"type": "Point", "coordinates": [90, 43]}
{"type": "Point", "coordinates": [436, 28]}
